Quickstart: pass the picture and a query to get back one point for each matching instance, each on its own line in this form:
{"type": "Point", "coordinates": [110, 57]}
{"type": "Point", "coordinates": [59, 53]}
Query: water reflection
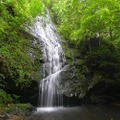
{"type": "Point", "coordinates": [78, 113]}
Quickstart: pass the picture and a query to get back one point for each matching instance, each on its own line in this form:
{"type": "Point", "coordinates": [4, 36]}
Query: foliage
{"type": "Point", "coordinates": [103, 59]}
{"type": "Point", "coordinates": [93, 26]}
{"type": "Point", "coordinates": [100, 65]}
{"type": "Point", "coordinates": [16, 66]}
{"type": "Point", "coordinates": [7, 98]}
{"type": "Point", "coordinates": [80, 19]}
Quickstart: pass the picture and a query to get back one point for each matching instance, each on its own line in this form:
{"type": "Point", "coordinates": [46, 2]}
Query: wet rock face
{"type": "Point", "coordinates": [70, 86]}
{"type": "Point", "coordinates": [70, 82]}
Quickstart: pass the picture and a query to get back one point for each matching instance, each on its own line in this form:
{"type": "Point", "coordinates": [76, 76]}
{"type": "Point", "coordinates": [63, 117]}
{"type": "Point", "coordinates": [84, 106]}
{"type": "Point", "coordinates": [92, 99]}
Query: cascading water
{"type": "Point", "coordinates": [54, 61]}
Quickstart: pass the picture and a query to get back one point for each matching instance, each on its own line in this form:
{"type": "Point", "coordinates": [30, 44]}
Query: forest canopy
{"type": "Point", "coordinates": [82, 19]}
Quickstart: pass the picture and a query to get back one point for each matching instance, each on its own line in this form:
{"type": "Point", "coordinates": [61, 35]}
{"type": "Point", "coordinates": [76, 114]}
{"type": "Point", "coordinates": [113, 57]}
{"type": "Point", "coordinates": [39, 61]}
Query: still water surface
{"type": "Point", "coordinates": [78, 113]}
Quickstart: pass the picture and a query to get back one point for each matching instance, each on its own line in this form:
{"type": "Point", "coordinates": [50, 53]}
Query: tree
{"type": "Point", "coordinates": [85, 19]}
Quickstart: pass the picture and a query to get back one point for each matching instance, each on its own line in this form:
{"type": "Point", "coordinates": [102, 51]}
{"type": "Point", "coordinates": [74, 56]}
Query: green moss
{"type": "Point", "coordinates": [16, 109]}
{"type": "Point", "coordinates": [66, 50]}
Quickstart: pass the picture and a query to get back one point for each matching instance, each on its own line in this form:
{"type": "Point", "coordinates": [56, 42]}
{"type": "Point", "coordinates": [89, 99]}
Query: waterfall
{"type": "Point", "coordinates": [54, 61]}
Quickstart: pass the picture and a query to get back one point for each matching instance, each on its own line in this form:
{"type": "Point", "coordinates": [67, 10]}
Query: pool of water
{"type": "Point", "coordinates": [77, 113]}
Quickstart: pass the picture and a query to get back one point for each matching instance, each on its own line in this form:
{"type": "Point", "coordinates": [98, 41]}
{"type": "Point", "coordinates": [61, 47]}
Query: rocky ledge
{"type": "Point", "coordinates": [16, 111]}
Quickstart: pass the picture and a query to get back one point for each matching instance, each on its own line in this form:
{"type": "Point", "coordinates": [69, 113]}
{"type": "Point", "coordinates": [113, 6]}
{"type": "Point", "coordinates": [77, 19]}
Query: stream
{"type": "Point", "coordinates": [89, 112]}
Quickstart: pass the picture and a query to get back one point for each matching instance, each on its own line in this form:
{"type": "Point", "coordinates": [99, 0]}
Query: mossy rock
{"type": "Point", "coordinates": [17, 109]}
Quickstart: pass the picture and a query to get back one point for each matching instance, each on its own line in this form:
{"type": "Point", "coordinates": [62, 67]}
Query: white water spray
{"type": "Point", "coordinates": [54, 61]}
